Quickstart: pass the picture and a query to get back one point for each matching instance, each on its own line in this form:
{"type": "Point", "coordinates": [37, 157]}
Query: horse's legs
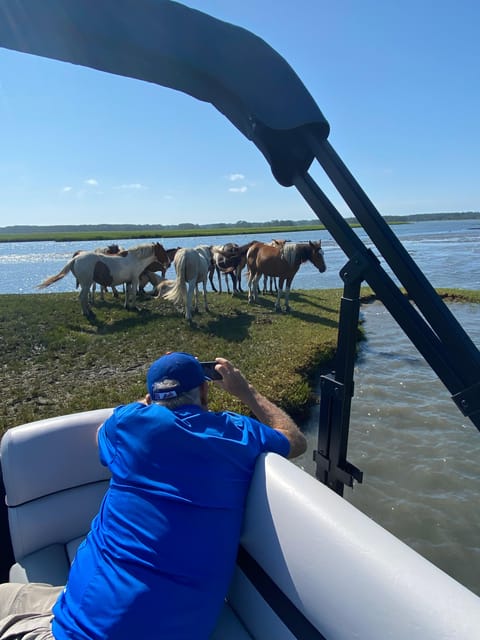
{"type": "Point", "coordinates": [249, 287]}
{"type": "Point", "coordinates": [233, 276]}
{"type": "Point", "coordinates": [264, 290]}
{"type": "Point", "coordinates": [255, 281]}
{"type": "Point", "coordinates": [211, 273]}
{"type": "Point", "coordinates": [287, 293]}
{"type": "Point", "coordinates": [188, 302]}
{"type": "Point", "coordinates": [227, 282]}
{"type": "Point", "coordinates": [205, 303]}
{"type": "Point", "coordinates": [239, 279]}
{"type": "Point", "coordinates": [252, 286]}
{"type": "Point", "coordinates": [287, 296]}
{"type": "Point", "coordinates": [83, 297]}
{"type": "Point", "coordinates": [133, 294]}
{"type": "Point", "coordinates": [278, 306]}
{"type": "Point", "coordinates": [130, 294]}
{"type": "Point", "coordinates": [195, 308]}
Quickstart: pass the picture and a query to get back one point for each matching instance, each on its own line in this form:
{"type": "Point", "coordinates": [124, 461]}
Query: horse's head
{"type": "Point", "coordinates": [171, 254]}
{"type": "Point", "coordinates": [160, 254]}
{"type": "Point", "coordinates": [317, 257]}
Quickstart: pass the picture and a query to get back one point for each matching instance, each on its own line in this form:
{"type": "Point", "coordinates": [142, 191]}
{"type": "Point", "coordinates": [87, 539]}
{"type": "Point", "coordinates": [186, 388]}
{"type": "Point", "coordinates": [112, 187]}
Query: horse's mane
{"type": "Point", "coordinates": [293, 251]}
{"type": "Point", "coordinates": [290, 252]}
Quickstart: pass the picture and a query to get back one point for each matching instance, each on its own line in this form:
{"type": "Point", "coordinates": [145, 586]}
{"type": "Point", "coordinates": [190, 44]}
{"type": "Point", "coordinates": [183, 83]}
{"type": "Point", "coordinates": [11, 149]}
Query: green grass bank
{"type": "Point", "coordinates": [53, 361]}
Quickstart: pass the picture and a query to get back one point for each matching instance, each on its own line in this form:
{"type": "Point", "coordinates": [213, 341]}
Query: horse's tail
{"type": "Point", "coordinates": [178, 293]}
{"type": "Point", "coordinates": [66, 269]}
{"type": "Point", "coordinates": [251, 256]}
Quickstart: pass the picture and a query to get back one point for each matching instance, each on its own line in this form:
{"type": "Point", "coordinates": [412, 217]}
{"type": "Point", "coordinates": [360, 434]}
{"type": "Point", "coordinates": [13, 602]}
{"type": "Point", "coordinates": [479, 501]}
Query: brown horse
{"type": "Point", "coordinates": [230, 259]}
{"type": "Point", "coordinates": [281, 262]}
{"type": "Point", "coordinates": [149, 275]}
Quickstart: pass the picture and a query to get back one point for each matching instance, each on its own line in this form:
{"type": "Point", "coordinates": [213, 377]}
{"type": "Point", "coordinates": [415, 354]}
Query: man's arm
{"type": "Point", "coordinates": [234, 382]}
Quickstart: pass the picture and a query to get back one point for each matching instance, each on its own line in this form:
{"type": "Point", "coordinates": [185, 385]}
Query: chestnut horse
{"type": "Point", "coordinates": [107, 270]}
{"type": "Point", "coordinates": [281, 262]}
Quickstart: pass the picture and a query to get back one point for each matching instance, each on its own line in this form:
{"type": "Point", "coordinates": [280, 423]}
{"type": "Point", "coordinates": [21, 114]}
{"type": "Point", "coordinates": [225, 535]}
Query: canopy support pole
{"type": "Point", "coordinates": [336, 388]}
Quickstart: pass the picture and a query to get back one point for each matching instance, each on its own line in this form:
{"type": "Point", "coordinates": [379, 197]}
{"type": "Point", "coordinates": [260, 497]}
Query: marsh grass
{"type": "Point", "coordinates": [53, 361]}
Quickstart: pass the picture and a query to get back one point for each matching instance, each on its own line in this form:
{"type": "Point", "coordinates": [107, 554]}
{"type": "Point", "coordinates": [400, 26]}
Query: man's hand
{"type": "Point", "coordinates": [234, 382]}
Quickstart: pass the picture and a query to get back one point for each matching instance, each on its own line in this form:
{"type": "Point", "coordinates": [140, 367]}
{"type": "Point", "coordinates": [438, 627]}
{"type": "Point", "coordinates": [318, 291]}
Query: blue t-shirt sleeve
{"type": "Point", "coordinates": [106, 450]}
{"type": "Point", "coordinates": [107, 438]}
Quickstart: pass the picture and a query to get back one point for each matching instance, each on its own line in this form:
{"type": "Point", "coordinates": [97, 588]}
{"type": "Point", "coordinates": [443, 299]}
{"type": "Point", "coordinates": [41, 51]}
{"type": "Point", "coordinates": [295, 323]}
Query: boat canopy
{"type": "Point", "coordinates": [166, 43]}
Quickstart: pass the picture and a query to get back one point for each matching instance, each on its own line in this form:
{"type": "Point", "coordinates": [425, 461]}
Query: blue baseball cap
{"type": "Point", "coordinates": [173, 374]}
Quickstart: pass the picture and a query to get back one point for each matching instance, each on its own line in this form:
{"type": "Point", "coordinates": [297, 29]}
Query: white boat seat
{"type": "Point", "coordinates": [54, 483]}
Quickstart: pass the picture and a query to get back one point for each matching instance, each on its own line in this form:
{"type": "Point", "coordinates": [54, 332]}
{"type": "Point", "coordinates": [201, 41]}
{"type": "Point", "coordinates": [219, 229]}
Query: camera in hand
{"type": "Point", "coordinates": [209, 370]}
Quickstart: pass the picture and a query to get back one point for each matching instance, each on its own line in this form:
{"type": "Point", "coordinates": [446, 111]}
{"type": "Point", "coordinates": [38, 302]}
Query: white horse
{"type": "Point", "coordinates": [111, 250]}
{"type": "Point", "coordinates": [109, 270]}
{"type": "Point", "coordinates": [191, 267]}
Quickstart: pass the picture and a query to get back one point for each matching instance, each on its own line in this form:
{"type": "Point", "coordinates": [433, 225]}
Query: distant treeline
{"type": "Point", "coordinates": [241, 224]}
{"type": "Point", "coordinates": [417, 217]}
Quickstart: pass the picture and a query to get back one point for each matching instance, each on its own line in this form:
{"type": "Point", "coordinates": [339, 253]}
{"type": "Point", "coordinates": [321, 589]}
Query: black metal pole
{"type": "Point", "coordinates": [460, 377]}
{"type": "Point", "coordinates": [419, 288]}
{"type": "Point", "coordinates": [336, 392]}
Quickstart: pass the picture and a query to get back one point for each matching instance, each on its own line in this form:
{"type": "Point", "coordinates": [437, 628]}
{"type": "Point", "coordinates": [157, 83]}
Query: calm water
{"type": "Point", "coordinates": [419, 456]}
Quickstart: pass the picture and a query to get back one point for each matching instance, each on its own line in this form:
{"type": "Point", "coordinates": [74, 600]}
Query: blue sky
{"type": "Point", "coordinates": [399, 83]}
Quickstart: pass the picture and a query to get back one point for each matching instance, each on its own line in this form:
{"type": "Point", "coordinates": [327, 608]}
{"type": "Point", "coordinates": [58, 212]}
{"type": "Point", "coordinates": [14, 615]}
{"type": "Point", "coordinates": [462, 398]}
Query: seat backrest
{"type": "Point", "coordinates": [54, 483]}
{"type": "Point", "coordinates": [311, 565]}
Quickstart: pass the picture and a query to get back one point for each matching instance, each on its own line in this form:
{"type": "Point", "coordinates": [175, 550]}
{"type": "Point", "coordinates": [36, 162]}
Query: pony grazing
{"type": "Point", "coordinates": [150, 275]}
{"type": "Point", "coordinates": [109, 270]}
{"type": "Point", "coordinates": [281, 262]}
{"type": "Point", "coordinates": [192, 267]}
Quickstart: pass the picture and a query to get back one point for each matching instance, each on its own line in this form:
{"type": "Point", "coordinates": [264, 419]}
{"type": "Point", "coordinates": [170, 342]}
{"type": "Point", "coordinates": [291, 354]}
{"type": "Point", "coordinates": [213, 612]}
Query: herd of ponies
{"type": "Point", "coordinates": [276, 262]}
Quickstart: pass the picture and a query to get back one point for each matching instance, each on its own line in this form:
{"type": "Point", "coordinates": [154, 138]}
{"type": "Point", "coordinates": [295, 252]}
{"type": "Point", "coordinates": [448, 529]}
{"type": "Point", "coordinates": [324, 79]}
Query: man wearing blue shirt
{"type": "Point", "coordinates": [160, 554]}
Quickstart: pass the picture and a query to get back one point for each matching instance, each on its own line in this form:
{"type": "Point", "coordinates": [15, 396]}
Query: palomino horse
{"type": "Point", "coordinates": [125, 267]}
{"type": "Point", "coordinates": [282, 262]}
{"type": "Point", "coordinates": [191, 267]}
